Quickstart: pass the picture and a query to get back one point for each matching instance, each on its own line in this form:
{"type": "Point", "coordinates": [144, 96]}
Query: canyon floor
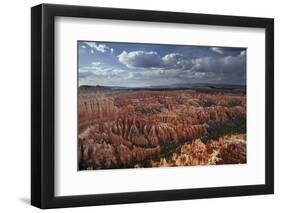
{"type": "Point", "coordinates": [135, 128]}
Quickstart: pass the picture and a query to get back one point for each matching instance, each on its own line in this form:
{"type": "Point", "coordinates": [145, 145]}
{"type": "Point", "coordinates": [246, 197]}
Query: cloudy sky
{"type": "Point", "coordinates": [140, 65]}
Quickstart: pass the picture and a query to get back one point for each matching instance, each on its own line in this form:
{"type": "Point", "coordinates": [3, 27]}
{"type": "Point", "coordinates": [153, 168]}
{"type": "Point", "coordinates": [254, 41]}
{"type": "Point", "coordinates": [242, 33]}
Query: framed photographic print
{"type": "Point", "coordinates": [140, 106]}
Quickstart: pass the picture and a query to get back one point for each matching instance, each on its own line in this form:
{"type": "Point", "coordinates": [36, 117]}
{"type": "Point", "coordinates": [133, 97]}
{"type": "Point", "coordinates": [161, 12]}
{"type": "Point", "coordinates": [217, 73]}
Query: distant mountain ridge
{"type": "Point", "coordinates": [97, 87]}
{"type": "Point", "coordinates": [168, 87]}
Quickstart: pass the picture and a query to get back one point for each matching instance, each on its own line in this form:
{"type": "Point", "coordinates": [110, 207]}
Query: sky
{"type": "Point", "coordinates": [144, 65]}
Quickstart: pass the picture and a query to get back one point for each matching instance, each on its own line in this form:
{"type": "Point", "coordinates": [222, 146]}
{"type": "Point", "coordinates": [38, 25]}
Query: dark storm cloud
{"type": "Point", "coordinates": [129, 64]}
{"type": "Point", "coordinates": [140, 59]}
{"type": "Point", "coordinates": [225, 69]}
{"type": "Point", "coordinates": [229, 66]}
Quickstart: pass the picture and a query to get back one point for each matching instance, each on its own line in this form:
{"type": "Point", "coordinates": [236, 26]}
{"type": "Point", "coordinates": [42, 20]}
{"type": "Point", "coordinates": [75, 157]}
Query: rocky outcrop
{"type": "Point", "coordinates": [126, 129]}
{"type": "Point", "coordinates": [96, 108]}
{"type": "Point", "coordinates": [227, 150]}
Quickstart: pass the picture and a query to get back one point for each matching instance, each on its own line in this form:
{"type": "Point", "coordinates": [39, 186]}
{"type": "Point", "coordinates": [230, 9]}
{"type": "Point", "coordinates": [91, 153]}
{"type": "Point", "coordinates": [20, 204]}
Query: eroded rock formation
{"type": "Point", "coordinates": [126, 129]}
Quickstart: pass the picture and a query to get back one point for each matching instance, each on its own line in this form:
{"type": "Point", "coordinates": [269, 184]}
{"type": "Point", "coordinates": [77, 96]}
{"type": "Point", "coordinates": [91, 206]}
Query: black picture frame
{"type": "Point", "coordinates": [43, 117]}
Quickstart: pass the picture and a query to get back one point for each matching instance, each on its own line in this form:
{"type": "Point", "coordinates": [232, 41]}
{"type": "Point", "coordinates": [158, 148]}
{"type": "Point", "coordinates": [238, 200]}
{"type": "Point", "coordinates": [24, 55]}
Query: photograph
{"type": "Point", "coordinates": [133, 105]}
{"type": "Point", "coordinates": [160, 105]}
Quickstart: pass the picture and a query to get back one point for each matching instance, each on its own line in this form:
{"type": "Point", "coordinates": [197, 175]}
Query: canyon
{"type": "Point", "coordinates": [136, 128]}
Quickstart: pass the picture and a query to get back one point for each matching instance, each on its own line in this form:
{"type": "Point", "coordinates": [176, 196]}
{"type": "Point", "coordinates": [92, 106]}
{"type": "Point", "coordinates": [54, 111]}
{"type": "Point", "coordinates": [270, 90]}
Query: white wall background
{"type": "Point", "coordinates": [15, 105]}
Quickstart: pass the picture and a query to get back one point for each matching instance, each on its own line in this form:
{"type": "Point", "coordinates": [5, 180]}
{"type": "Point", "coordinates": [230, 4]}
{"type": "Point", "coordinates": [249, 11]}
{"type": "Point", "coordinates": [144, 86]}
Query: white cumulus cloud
{"type": "Point", "coordinates": [99, 47]}
{"type": "Point", "coordinates": [217, 50]}
{"type": "Point", "coordinates": [243, 53]}
{"type": "Point", "coordinates": [140, 59]}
